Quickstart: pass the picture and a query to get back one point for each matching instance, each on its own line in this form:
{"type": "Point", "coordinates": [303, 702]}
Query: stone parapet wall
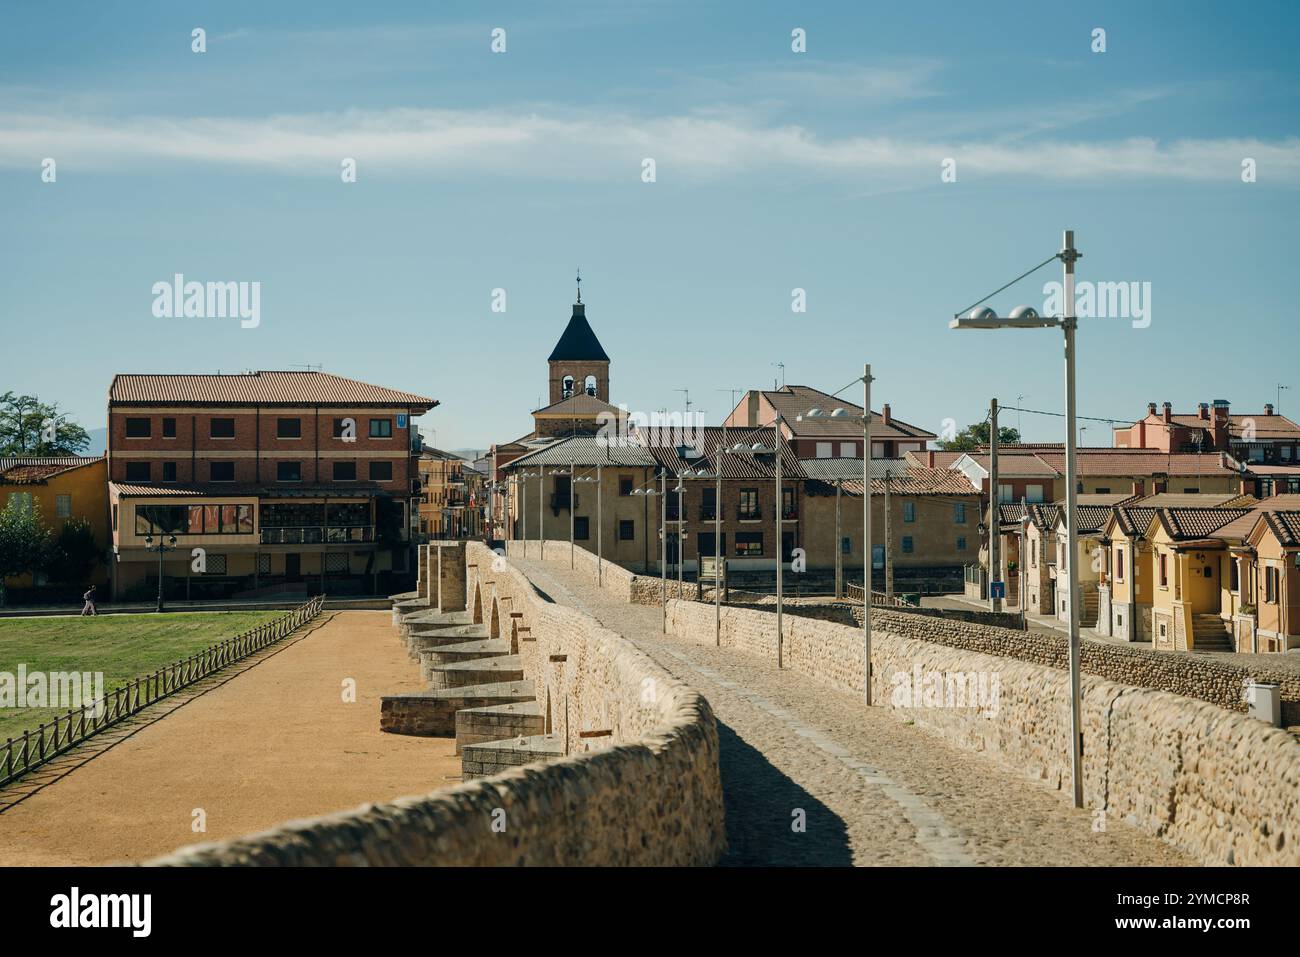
{"type": "Point", "coordinates": [1217, 784]}
{"type": "Point", "coordinates": [640, 784]}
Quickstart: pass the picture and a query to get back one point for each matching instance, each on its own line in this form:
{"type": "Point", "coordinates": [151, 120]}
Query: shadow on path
{"type": "Point", "coordinates": [760, 801]}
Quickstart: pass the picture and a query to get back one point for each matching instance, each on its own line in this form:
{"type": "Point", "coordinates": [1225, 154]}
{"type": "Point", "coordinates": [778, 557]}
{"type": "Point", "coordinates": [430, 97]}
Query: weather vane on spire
{"type": "Point", "coordinates": [579, 284]}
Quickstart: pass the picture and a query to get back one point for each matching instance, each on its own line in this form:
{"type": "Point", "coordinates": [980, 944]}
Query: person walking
{"type": "Point", "coordinates": [89, 607]}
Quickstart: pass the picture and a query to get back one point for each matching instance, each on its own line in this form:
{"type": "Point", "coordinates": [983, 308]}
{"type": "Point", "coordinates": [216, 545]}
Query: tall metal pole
{"type": "Point", "coordinates": [717, 551]}
{"type": "Point", "coordinates": [1024, 521]}
{"type": "Point", "coordinates": [866, 526]}
{"type": "Point", "coordinates": [600, 528]}
{"type": "Point", "coordinates": [541, 512]}
{"type": "Point", "coordinates": [681, 531]}
{"type": "Point", "coordinates": [839, 559]}
{"type": "Point", "coordinates": [1069, 323]}
{"type": "Point", "coordinates": [663, 549]}
{"type": "Point", "coordinates": [995, 540]}
{"type": "Point", "coordinates": [889, 539]}
{"type": "Point", "coordinates": [573, 507]}
{"type": "Point", "coordinates": [780, 538]}
{"type": "Point", "coordinates": [160, 574]}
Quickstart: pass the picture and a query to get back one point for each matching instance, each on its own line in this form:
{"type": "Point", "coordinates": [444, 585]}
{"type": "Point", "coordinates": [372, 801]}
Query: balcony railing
{"type": "Point", "coordinates": [708, 513]}
{"type": "Point", "coordinates": [789, 511]}
{"type": "Point", "coordinates": [318, 535]}
{"type": "Point", "coordinates": [749, 515]}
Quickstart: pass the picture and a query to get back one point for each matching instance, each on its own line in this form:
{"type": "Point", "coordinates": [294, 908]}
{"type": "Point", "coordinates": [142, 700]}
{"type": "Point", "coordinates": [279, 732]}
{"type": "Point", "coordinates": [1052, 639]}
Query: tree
{"type": "Point", "coordinates": [29, 426]}
{"type": "Point", "coordinates": [74, 553]}
{"type": "Point", "coordinates": [976, 435]}
{"type": "Point", "coordinates": [24, 541]}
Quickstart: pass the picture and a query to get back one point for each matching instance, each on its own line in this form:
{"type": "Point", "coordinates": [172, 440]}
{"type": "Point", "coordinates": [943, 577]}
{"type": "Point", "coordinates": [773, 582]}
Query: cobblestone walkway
{"type": "Point", "coordinates": [868, 788]}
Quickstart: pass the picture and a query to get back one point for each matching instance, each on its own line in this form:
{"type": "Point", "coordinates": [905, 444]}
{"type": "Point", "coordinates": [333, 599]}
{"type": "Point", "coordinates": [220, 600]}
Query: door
{"type": "Point", "coordinates": [293, 567]}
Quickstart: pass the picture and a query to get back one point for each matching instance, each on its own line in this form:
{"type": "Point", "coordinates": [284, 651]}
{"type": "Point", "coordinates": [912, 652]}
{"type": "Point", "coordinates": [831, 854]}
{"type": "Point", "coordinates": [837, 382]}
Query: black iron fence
{"type": "Point", "coordinates": [18, 756]}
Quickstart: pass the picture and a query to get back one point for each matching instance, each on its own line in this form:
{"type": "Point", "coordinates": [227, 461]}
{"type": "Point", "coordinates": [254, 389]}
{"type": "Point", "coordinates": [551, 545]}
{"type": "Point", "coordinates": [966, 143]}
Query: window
{"type": "Point", "coordinates": [161, 520]}
{"type": "Point", "coordinates": [381, 428]}
{"type": "Point", "coordinates": [624, 485]}
{"type": "Point", "coordinates": [907, 544]}
{"type": "Point", "coordinates": [137, 471]}
{"type": "Point", "coordinates": [961, 543]}
{"type": "Point", "coordinates": [1271, 585]}
{"type": "Point", "coordinates": [825, 450]}
{"type": "Point", "coordinates": [1233, 572]}
{"type": "Point", "coordinates": [1191, 491]}
{"type": "Point", "coordinates": [566, 387]}
{"type": "Point", "coordinates": [169, 428]}
{"type": "Point", "coordinates": [1102, 491]}
{"type": "Point", "coordinates": [748, 506]}
{"type": "Point", "coordinates": [848, 450]}
{"type": "Point", "coordinates": [169, 472]}
{"type": "Point", "coordinates": [590, 384]}
{"type": "Point", "coordinates": [336, 563]}
{"type": "Point", "coordinates": [216, 564]}
{"type": "Point", "coordinates": [787, 503]}
{"type": "Point", "coordinates": [877, 556]}
{"type": "Point", "coordinates": [288, 471]}
{"type": "Point", "coordinates": [221, 471]}
{"type": "Point", "coordinates": [345, 471]}
{"type": "Point", "coordinates": [221, 428]}
{"type": "Point", "coordinates": [1119, 564]}
{"type": "Point", "coordinates": [381, 471]}
{"type": "Point", "coordinates": [139, 428]}
{"type": "Point", "coordinates": [1164, 571]}
{"type": "Point", "coordinates": [909, 511]}
{"type": "Point", "coordinates": [288, 428]}
{"type": "Point", "coordinates": [626, 530]}
{"type": "Point", "coordinates": [63, 506]}
{"type": "Point", "coordinates": [338, 427]}
{"type": "Point", "coordinates": [749, 544]}
{"type": "Point", "coordinates": [115, 518]}
{"type": "Point", "coordinates": [1006, 494]}
{"type": "Point", "coordinates": [1034, 494]}
{"type": "Point", "coordinates": [708, 504]}
{"type": "Point", "coordinates": [846, 546]}
{"type": "Point", "coordinates": [704, 544]}
{"type": "Point", "coordinates": [264, 564]}
{"type": "Point", "coordinates": [959, 513]}
{"type": "Point", "coordinates": [581, 528]}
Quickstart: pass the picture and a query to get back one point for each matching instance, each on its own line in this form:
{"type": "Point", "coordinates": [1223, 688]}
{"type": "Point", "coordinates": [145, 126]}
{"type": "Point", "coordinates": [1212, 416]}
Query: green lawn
{"type": "Point", "coordinates": [123, 647]}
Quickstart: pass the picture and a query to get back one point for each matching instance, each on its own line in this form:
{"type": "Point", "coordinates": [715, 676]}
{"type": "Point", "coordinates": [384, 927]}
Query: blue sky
{"type": "Point", "coordinates": [775, 170]}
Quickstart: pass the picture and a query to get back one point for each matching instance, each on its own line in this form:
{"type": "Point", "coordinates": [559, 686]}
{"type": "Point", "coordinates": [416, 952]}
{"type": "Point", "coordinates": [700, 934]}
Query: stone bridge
{"type": "Point", "coordinates": [590, 734]}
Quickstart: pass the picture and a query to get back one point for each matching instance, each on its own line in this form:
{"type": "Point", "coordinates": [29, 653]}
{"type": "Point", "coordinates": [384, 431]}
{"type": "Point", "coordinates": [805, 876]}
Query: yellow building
{"type": "Point", "coordinates": [1126, 589]}
{"type": "Point", "coordinates": [1270, 580]}
{"type": "Point", "coordinates": [59, 489]}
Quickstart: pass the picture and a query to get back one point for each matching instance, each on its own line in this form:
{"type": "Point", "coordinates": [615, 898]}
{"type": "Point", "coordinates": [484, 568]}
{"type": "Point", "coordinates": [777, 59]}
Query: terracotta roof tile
{"type": "Point", "coordinates": [258, 388]}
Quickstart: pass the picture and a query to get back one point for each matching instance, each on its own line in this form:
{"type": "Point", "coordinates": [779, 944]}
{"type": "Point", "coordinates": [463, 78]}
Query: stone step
{"type": "Point", "coordinates": [433, 713]}
{"type": "Point", "coordinates": [429, 626]}
{"type": "Point", "coordinates": [498, 721]}
{"type": "Point", "coordinates": [492, 757]}
{"type": "Point", "coordinates": [434, 616]}
{"type": "Point", "coordinates": [482, 671]}
{"type": "Point", "coordinates": [430, 658]}
{"type": "Point", "coordinates": [456, 635]}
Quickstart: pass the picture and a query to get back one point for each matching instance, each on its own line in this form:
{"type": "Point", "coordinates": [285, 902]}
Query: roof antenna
{"type": "Point", "coordinates": [579, 285]}
{"type": "Point", "coordinates": [781, 366]}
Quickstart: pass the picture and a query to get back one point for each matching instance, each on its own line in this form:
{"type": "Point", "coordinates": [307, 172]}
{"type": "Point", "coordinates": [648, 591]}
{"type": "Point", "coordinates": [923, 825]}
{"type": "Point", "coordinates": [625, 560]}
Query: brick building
{"type": "Point", "coordinates": [288, 482]}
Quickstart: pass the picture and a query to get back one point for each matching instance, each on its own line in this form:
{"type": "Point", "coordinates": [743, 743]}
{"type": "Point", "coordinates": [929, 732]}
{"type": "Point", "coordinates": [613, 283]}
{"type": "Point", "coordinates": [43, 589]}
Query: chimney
{"type": "Point", "coordinates": [1203, 411]}
{"type": "Point", "coordinates": [929, 458]}
{"type": "Point", "coordinates": [1268, 408]}
{"type": "Point", "coordinates": [885, 417]}
{"type": "Point", "coordinates": [1221, 407]}
{"type": "Point", "coordinates": [751, 408]}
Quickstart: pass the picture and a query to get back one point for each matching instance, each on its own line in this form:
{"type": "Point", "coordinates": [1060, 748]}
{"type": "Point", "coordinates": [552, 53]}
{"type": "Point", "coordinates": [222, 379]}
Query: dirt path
{"type": "Point", "coordinates": [267, 741]}
{"type": "Point", "coordinates": [870, 789]}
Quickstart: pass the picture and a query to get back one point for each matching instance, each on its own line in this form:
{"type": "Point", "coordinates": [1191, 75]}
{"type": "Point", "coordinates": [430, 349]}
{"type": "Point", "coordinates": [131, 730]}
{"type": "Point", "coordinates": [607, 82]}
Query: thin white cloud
{"type": "Point", "coordinates": [591, 146]}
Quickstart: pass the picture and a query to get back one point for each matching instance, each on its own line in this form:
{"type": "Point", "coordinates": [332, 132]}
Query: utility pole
{"type": "Point", "coordinates": [995, 541]}
{"type": "Point", "coordinates": [889, 539]}
{"type": "Point", "coordinates": [1070, 324]}
{"type": "Point", "coordinates": [839, 557]}
{"type": "Point", "coordinates": [780, 539]}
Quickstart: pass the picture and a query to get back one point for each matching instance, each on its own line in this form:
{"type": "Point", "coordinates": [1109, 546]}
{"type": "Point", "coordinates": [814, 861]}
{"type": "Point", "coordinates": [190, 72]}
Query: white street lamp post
{"type": "Point", "coordinates": [1024, 317]}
